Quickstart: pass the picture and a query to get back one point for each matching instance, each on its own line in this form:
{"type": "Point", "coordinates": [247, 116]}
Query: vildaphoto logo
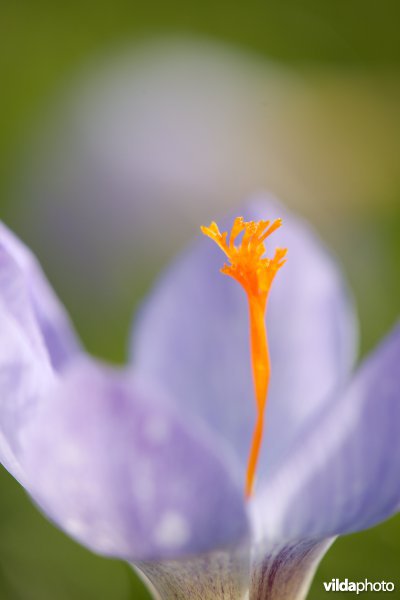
{"type": "Point", "coordinates": [337, 585]}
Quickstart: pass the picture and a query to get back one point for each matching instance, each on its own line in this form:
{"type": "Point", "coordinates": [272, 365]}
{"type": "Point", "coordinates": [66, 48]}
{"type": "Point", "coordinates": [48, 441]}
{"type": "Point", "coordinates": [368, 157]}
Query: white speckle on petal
{"type": "Point", "coordinates": [104, 543]}
{"type": "Point", "coordinates": [172, 530]}
{"type": "Point", "coordinates": [75, 526]}
{"type": "Point", "coordinates": [157, 430]}
{"type": "Point", "coordinates": [108, 540]}
{"type": "Point", "coordinates": [71, 455]}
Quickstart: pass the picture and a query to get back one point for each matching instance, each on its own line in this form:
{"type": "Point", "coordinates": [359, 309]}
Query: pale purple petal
{"type": "Point", "coordinates": [35, 337]}
{"type": "Point", "coordinates": [192, 337]}
{"type": "Point", "coordinates": [24, 375]}
{"type": "Point", "coordinates": [343, 474]}
{"type": "Point", "coordinates": [50, 317]}
{"type": "Point", "coordinates": [25, 369]}
{"type": "Point", "coordinates": [114, 465]}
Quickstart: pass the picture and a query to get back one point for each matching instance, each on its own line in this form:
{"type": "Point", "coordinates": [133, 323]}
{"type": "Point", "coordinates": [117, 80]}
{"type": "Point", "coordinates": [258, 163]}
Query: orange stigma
{"type": "Point", "coordinates": [255, 273]}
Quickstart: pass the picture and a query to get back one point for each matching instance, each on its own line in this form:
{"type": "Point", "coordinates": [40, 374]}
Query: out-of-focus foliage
{"type": "Point", "coordinates": [42, 42]}
{"type": "Point", "coordinates": [341, 139]}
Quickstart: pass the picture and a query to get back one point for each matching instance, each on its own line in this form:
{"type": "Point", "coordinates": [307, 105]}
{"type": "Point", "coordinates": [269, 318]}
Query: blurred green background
{"type": "Point", "coordinates": [339, 132]}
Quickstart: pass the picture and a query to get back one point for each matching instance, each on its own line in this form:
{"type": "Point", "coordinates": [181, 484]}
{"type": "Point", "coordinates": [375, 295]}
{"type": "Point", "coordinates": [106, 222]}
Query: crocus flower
{"type": "Point", "coordinates": [148, 463]}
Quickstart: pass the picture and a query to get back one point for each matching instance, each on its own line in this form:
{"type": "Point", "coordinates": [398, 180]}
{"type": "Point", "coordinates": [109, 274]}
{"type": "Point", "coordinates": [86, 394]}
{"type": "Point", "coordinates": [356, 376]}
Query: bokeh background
{"type": "Point", "coordinates": [125, 125]}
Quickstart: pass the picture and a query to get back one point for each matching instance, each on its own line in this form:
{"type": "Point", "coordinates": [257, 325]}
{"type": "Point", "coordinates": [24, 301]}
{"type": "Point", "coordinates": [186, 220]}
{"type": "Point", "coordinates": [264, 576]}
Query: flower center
{"type": "Point", "coordinates": [255, 274]}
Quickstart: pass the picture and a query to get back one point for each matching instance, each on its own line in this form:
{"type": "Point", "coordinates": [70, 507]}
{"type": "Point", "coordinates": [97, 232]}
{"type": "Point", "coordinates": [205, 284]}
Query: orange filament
{"type": "Point", "coordinates": [255, 274]}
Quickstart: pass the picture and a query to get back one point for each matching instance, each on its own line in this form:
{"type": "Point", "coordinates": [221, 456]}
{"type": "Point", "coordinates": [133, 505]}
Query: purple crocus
{"type": "Point", "coordinates": [148, 463]}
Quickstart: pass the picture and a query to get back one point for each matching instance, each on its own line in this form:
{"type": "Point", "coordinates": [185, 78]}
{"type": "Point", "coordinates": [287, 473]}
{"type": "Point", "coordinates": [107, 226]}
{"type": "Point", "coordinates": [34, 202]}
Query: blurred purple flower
{"type": "Point", "coordinates": [147, 464]}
